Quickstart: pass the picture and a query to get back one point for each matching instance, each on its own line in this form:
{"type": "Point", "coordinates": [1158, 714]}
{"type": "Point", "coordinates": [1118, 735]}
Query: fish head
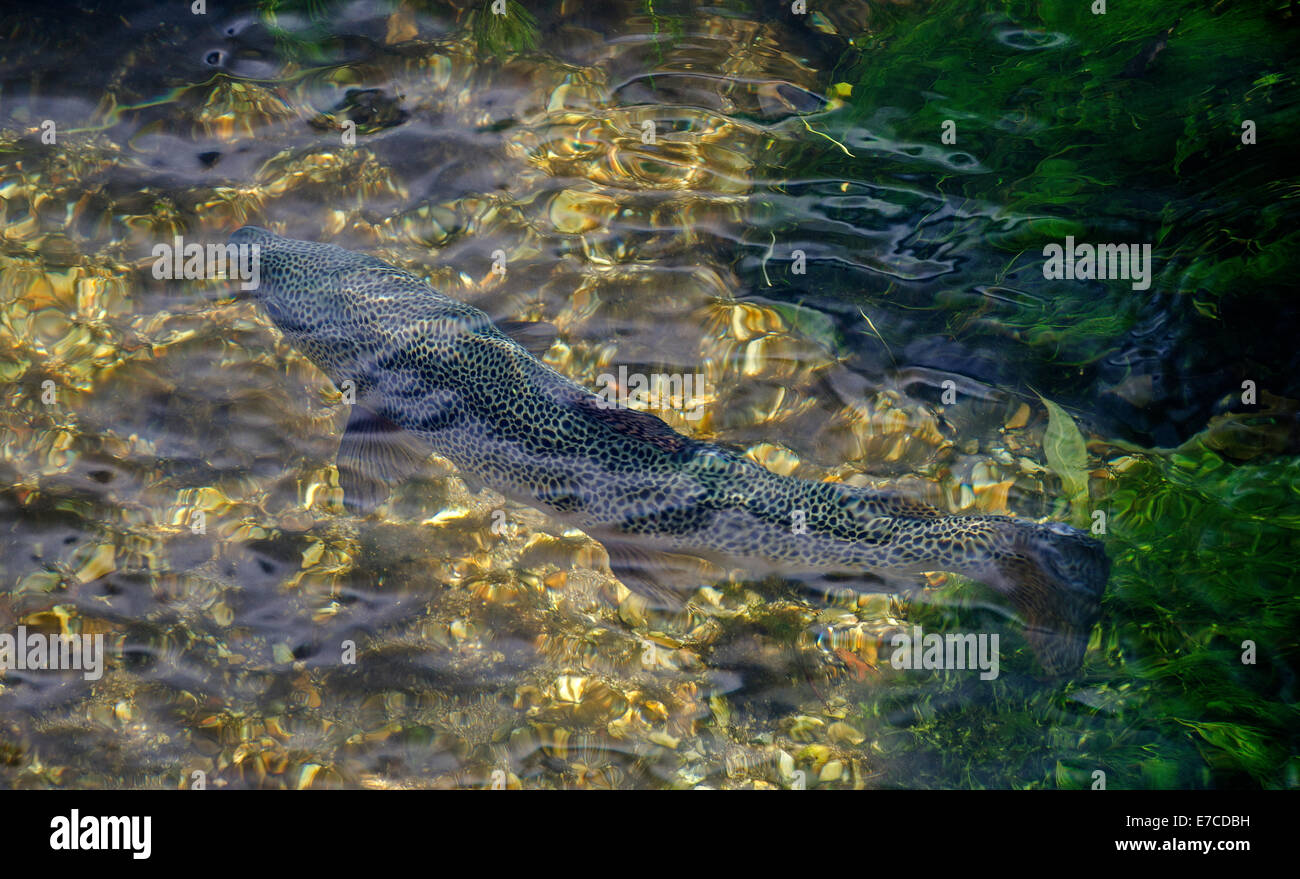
{"type": "Point", "coordinates": [295, 279]}
{"type": "Point", "coordinates": [349, 311]}
{"type": "Point", "coordinates": [303, 287]}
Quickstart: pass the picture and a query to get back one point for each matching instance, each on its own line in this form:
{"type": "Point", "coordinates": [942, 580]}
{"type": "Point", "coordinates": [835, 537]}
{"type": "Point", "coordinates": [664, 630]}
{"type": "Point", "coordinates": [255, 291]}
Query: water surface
{"type": "Point", "coordinates": [864, 301]}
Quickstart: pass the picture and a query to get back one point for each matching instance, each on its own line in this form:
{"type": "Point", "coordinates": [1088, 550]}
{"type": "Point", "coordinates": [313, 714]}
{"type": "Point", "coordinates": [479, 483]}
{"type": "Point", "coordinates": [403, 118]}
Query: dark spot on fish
{"type": "Point", "coordinates": [209, 158]}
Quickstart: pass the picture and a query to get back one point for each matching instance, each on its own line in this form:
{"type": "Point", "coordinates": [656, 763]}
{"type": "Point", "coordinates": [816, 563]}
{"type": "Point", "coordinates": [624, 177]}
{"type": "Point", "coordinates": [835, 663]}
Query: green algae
{"type": "Point", "coordinates": [1189, 679]}
{"type": "Point", "coordinates": [1049, 130]}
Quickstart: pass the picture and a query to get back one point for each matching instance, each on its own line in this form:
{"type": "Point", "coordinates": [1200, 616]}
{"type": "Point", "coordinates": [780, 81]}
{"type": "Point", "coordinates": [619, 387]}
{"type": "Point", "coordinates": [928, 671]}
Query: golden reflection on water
{"type": "Point", "coordinates": [166, 461]}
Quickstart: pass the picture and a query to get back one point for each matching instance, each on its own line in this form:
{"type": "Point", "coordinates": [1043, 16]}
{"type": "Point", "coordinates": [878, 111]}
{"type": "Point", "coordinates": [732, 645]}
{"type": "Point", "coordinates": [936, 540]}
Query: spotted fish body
{"type": "Point", "coordinates": [435, 375]}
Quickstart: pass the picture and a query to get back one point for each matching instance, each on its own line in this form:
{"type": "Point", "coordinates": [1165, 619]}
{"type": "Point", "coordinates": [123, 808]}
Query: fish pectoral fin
{"type": "Point", "coordinates": [536, 336]}
{"type": "Point", "coordinates": [373, 455]}
{"type": "Point", "coordinates": [664, 579]}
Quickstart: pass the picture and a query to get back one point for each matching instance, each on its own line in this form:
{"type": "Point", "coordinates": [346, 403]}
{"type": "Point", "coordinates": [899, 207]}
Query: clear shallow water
{"type": "Point", "coordinates": [512, 649]}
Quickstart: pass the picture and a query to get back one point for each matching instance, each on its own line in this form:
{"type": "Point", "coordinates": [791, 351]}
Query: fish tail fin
{"type": "Point", "coordinates": [1054, 577]}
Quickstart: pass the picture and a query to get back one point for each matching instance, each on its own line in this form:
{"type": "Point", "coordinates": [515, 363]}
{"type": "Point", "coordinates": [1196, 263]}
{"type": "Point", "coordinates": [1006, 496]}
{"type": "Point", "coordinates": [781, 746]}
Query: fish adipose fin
{"type": "Point", "coordinates": [536, 336]}
{"type": "Point", "coordinates": [375, 454]}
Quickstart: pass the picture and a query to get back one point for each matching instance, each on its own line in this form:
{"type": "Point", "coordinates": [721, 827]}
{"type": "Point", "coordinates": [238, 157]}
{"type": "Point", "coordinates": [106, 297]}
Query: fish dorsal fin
{"type": "Point", "coordinates": [535, 336]}
{"type": "Point", "coordinates": [902, 505]}
{"type": "Point", "coordinates": [375, 454]}
{"type": "Point", "coordinates": [630, 422]}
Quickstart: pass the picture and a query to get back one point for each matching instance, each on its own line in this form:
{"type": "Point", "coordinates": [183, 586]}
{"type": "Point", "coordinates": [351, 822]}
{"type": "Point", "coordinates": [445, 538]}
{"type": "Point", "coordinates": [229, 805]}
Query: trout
{"type": "Point", "coordinates": [434, 375]}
